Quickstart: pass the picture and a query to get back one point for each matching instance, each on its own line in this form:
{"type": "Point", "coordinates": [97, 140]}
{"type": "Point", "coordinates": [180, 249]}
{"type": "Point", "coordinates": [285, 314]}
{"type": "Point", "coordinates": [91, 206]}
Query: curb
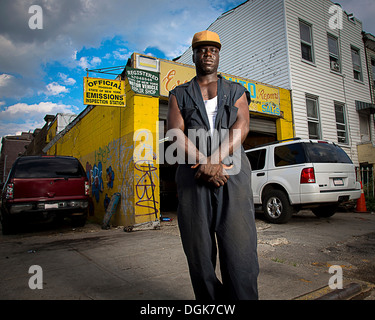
{"type": "Point", "coordinates": [352, 291]}
{"type": "Point", "coordinates": [343, 294]}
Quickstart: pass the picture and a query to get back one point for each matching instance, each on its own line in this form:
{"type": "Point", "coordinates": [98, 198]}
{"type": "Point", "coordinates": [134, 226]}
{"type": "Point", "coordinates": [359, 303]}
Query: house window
{"type": "Point", "coordinates": [334, 58]}
{"type": "Point", "coordinates": [373, 71]}
{"type": "Point", "coordinates": [342, 136]}
{"type": "Point", "coordinates": [313, 119]}
{"type": "Point", "coordinates": [357, 69]}
{"type": "Point", "coordinates": [306, 41]}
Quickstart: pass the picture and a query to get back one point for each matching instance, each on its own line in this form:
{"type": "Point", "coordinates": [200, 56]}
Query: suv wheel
{"type": "Point", "coordinates": [325, 211]}
{"type": "Point", "coordinates": [276, 206]}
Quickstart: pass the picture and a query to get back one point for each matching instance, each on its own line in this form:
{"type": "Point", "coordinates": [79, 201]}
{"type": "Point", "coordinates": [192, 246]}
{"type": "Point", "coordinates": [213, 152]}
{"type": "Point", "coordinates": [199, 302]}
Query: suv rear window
{"type": "Point", "coordinates": [326, 152]}
{"type": "Point", "coordinates": [48, 167]}
{"type": "Point", "coordinates": [289, 154]}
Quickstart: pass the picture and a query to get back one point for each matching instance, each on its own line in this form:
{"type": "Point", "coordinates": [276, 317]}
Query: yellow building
{"type": "Point", "coordinates": [119, 145]}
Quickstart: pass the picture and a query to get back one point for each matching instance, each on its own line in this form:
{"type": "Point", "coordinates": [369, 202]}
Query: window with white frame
{"type": "Point", "coordinates": [307, 51]}
{"type": "Point", "coordinates": [357, 68]}
{"type": "Point", "coordinates": [334, 55]}
{"type": "Point", "coordinates": [342, 135]}
{"type": "Point", "coordinates": [313, 118]}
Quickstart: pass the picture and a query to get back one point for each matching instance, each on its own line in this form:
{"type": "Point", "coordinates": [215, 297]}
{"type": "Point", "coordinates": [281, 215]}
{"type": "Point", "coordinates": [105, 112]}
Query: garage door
{"type": "Point", "coordinates": [262, 125]}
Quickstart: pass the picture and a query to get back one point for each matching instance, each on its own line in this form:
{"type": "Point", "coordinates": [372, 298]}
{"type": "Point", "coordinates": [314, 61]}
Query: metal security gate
{"type": "Point", "coordinates": [367, 179]}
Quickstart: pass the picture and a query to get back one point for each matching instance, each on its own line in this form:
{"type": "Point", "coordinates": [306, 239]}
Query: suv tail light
{"type": "Point", "coordinates": [9, 192]}
{"type": "Point", "coordinates": [308, 175]}
{"type": "Point", "coordinates": [87, 188]}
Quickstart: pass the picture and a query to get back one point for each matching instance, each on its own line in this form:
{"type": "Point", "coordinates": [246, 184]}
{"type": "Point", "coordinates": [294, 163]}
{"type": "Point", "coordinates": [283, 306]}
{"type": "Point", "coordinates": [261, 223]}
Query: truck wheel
{"type": "Point", "coordinates": [325, 211]}
{"type": "Point", "coordinates": [78, 221]}
{"type": "Point", "coordinates": [8, 225]}
{"type": "Point", "coordinates": [276, 206]}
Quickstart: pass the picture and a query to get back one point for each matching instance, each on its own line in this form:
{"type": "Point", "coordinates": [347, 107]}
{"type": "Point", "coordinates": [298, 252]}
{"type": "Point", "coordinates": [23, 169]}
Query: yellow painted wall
{"type": "Point", "coordinates": [52, 131]}
{"type": "Point", "coordinates": [284, 125]}
{"type": "Point", "coordinates": [144, 129]}
{"type": "Point", "coordinates": [366, 153]}
{"type": "Point", "coordinates": [103, 141]}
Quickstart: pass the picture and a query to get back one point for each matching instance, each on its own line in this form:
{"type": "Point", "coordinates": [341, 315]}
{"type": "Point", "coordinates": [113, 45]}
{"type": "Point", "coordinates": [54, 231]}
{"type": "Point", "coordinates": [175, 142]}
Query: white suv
{"type": "Point", "coordinates": [301, 173]}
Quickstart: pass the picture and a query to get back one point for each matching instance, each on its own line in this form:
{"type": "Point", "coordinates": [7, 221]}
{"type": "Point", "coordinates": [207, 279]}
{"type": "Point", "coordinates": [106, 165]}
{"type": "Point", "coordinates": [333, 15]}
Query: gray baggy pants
{"type": "Point", "coordinates": [227, 212]}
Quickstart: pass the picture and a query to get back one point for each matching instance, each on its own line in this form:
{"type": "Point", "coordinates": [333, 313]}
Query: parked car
{"type": "Point", "coordinates": [43, 188]}
{"type": "Point", "coordinates": [301, 173]}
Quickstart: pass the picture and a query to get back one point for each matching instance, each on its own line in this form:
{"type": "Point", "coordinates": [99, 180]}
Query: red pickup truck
{"type": "Point", "coordinates": [44, 188]}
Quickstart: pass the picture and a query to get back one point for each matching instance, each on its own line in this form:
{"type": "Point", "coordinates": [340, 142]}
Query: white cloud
{"type": "Point", "coordinates": [55, 89]}
{"type": "Point", "coordinates": [84, 62]}
{"type": "Point", "coordinates": [22, 117]}
{"type": "Point", "coordinates": [121, 54]}
{"type": "Point", "coordinates": [68, 81]}
{"type": "Point", "coordinates": [95, 61]}
{"type": "Point", "coordinates": [5, 79]}
{"type": "Point", "coordinates": [74, 55]}
{"type": "Point", "coordinates": [107, 56]}
{"type": "Point", "coordinates": [14, 128]}
{"type": "Point", "coordinates": [23, 111]}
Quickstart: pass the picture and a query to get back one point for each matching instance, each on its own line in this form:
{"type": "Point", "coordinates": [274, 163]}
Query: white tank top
{"type": "Point", "coordinates": [211, 109]}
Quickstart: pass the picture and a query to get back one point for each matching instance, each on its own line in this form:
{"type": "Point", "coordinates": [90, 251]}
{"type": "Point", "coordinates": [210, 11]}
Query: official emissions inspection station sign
{"type": "Point", "coordinates": [103, 92]}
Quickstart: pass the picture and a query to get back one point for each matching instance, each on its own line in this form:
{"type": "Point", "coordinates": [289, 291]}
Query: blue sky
{"type": "Point", "coordinates": [41, 71]}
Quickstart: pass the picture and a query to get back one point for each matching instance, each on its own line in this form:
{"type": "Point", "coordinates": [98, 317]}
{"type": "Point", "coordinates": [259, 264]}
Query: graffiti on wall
{"type": "Point", "coordinates": [145, 173]}
{"type": "Point", "coordinates": [102, 154]}
{"type": "Point", "coordinates": [145, 187]}
{"type": "Point", "coordinates": [95, 177]}
{"type": "Point", "coordinates": [116, 169]}
{"type": "Point", "coordinates": [97, 181]}
{"type": "Point", "coordinates": [110, 177]}
{"type": "Point", "coordinates": [109, 172]}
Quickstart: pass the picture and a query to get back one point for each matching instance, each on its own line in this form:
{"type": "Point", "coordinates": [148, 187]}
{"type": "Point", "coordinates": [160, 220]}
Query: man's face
{"type": "Point", "coordinates": [206, 59]}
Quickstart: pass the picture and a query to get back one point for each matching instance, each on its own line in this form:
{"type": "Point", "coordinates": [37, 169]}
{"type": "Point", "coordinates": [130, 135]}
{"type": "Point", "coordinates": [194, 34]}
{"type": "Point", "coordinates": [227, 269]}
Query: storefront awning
{"type": "Point", "coordinates": [365, 107]}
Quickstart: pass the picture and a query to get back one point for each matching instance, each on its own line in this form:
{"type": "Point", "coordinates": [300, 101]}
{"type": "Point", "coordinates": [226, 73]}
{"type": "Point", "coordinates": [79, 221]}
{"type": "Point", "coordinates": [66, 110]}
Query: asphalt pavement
{"type": "Point", "coordinates": [93, 264]}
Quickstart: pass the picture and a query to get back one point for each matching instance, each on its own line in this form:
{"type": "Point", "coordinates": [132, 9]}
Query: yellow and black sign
{"type": "Point", "coordinates": [103, 92]}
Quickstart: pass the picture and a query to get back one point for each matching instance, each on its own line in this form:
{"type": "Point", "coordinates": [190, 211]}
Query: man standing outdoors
{"type": "Point", "coordinates": [214, 189]}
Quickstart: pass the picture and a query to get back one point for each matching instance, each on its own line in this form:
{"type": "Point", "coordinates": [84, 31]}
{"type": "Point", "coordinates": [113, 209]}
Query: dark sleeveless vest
{"type": "Point", "coordinates": [193, 111]}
